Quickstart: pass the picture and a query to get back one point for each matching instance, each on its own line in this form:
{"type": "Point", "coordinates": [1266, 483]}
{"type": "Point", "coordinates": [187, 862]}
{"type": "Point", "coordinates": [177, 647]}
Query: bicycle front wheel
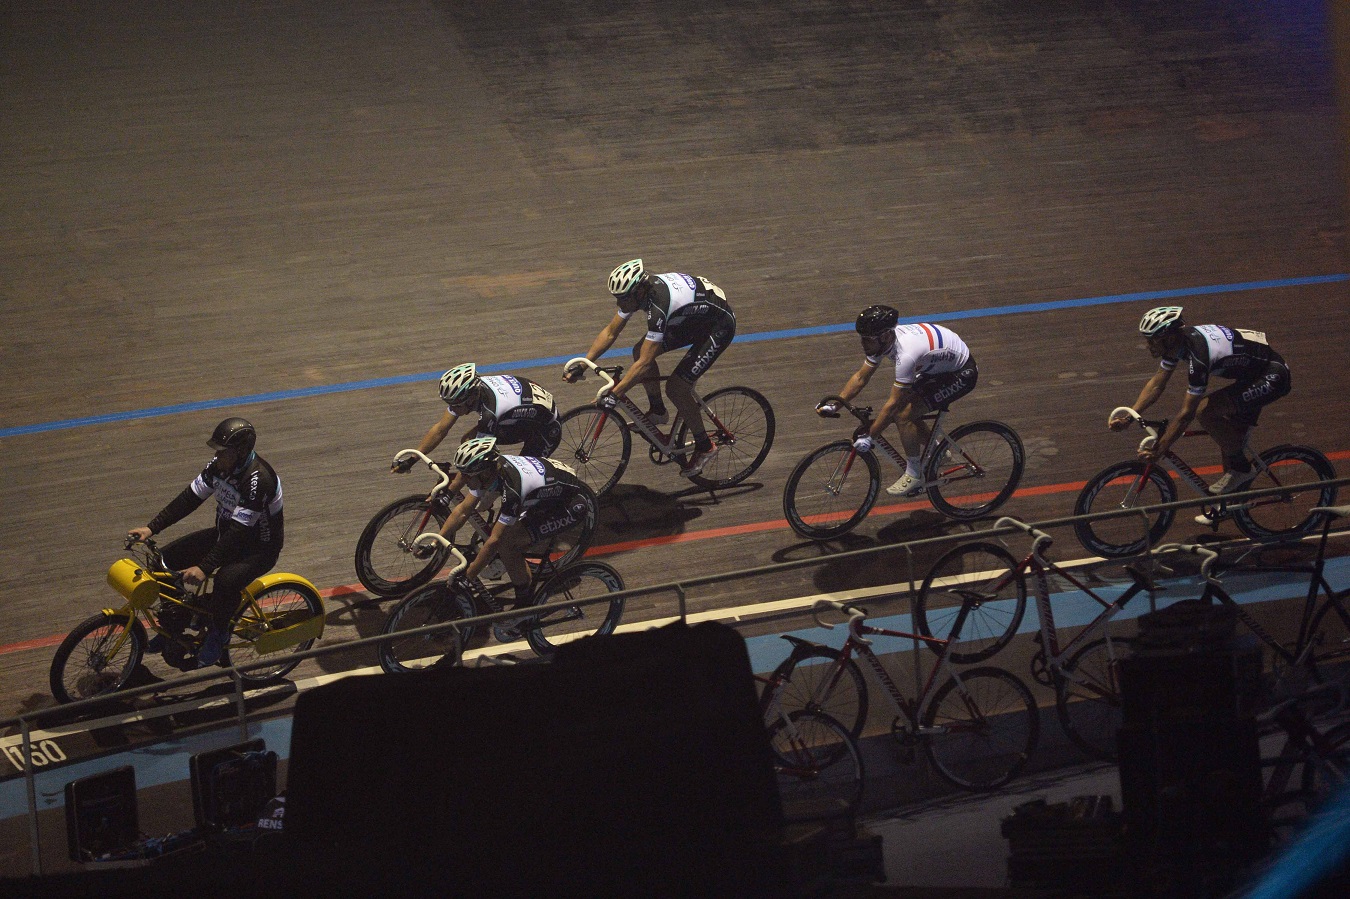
{"type": "Point", "coordinates": [1087, 696]}
{"type": "Point", "coordinates": [831, 491]}
{"type": "Point", "coordinates": [387, 560]}
{"type": "Point", "coordinates": [816, 681]}
{"type": "Point", "coordinates": [975, 470]}
{"type": "Point", "coordinates": [97, 657]}
{"type": "Point", "coordinates": [740, 424]}
{"type": "Point", "coordinates": [432, 604]}
{"type": "Point", "coordinates": [1124, 486]}
{"type": "Point", "coordinates": [597, 444]}
{"type": "Point", "coordinates": [585, 580]}
{"type": "Point", "coordinates": [280, 606]}
{"type": "Point", "coordinates": [1288, 514]}
{"type": "Point", "coordinates": [984, 726]}
{"type": "Point", "coordinates": [983, 576]}
{"type": "Point", "coordinates": [819, 766]}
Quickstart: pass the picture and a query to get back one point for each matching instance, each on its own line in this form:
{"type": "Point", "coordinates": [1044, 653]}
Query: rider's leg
{"type": "Point", "coordinates": [914, 436]}
{"type": "Point", "coordinates": [703, 352]}
{"type": "Point", "coordinates": [651, 382]}
{"type": "Point", "coordinates": [1218, 415]}
{"type": "Point", "coordinates": [511, 550]}
{"type": "Point", "coordinates": [223, 602]}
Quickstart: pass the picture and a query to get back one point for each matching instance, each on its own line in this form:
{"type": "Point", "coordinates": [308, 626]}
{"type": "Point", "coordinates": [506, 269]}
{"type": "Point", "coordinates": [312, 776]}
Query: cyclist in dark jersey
{"type": "Point", "coordinates": [246, 539]}
{"type": "Point", "coordinates": [682, 311]}
{"type": "Point", "coordinates": [514, 410]}
{"type": "Point", "coordinates": [539, 497]}
{"type": "Point", "coordinates": [1259, 374]}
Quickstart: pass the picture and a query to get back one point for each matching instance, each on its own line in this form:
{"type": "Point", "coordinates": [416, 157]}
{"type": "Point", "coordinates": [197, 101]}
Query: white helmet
{"type": "Point", "coordinates": [476, 454]}
{"type": "Point", "coordinates": [459, 383]}
{"type": "Point", "coordinates": [622, 279]}
{"type": "Point", "coordinates": [1160, 319]}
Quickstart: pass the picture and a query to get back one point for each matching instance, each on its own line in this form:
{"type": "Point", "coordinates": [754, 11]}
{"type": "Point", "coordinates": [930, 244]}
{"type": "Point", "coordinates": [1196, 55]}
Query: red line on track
{"type": "Point", "coordinates": [692, 536]}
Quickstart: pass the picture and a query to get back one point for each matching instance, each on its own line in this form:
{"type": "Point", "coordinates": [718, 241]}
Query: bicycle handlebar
{"type": "Point", "coordinates": [430, 463]}
{"type": "Point", "coordinates": [856, 616]}
{"type": "Point", "coordinates": [431, 537]}
{"type": "Point", "coordinates": [1210, 556]}
{"type": "Point", "coordinates": [582, 361]}
{"type": "Point", "coordinates": [1040, 540]}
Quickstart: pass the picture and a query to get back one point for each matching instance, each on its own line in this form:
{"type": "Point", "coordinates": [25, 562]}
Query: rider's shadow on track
{"type": "Point", "coordinates": [895, 567]}
{"type": "Point", "coordinates": [631, 512]}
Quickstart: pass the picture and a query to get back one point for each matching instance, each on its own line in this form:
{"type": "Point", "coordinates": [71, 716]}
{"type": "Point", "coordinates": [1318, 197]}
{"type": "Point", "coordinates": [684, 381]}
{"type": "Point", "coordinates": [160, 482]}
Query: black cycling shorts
{"type": "Point", "coordinates": [940, 391]}
{"type": "Point", "coordinates": [1251, 395]}
{"type": "Point", "coordinates": [542, 441]}
{"type": "Point", "coordinates": [705, 345]}
{"type": "Point", "coordinates": [556, 515]}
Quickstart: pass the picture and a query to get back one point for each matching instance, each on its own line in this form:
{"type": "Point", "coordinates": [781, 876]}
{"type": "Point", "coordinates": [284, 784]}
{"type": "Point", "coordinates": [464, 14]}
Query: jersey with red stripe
{"type": "Point", "coordinates": [921, 350]}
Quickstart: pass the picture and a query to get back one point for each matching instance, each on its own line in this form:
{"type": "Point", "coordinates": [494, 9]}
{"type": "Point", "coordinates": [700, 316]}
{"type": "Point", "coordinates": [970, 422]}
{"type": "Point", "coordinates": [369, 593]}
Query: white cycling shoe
{"type": "Point", "coordinates": [908, 485]}
{"type": "Point", "coordinates": [1232, 482]}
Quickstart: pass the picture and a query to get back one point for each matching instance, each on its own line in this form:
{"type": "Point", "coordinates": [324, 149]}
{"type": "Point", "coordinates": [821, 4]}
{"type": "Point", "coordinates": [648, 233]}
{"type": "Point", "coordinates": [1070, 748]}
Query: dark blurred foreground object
{"type": "Point", "coordinates": [629, 765]}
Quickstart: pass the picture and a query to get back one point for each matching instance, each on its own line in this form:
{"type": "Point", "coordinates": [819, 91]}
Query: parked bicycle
{"type": "Point", "coordinates": [968, 473]}
{"type": "Point", "coordinates": [817, 760]}
{"type": "Point", "coordinates": [1313, 761]}
{"type": "Point", "coordinates": [556, 613]}
{"type": "Point", "coordinates": [279, 614]}
{"type": "Point", "coordinates": [1134, 483]}
{"type": "Point", "coordinates": [389, 561]}
{"type": "Point", "coordinates": [978, 728]}
{"type": "Point", "coordinates": [983, 581]}
{"type": "Point", "coordinates": [599, 442]}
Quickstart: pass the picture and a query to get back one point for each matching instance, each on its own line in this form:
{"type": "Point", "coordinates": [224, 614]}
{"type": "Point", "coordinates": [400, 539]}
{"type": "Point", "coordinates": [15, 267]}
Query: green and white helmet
{"type": "Point", "coordinates": [1160, 319]}
{"type": "Point", "coordinates": [459, 383]}
{"type": "Point", "coordinates": [622, 279]}
{"type": "Point", "coordinates": [476, 454]}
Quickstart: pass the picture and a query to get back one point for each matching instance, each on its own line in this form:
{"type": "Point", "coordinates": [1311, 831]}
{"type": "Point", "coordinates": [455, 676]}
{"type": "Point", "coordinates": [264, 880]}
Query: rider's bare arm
{"type": "Point", "coordinates": [644, 363]}
{"type": "Point", "coordinates": [434, 436]}
{"type": "Point", "coordinates": [603, 341]}
{"type": "Point", "coordinates": [858, 381]}
{"type": "Point", "coordinates": [1147, 397]}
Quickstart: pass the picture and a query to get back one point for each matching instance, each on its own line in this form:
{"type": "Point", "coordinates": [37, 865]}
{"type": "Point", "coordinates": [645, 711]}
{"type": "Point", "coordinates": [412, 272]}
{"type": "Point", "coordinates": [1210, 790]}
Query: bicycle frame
{"type": "Point", "coordinates": [937, 436]}
{"type": "Point", "coordinates": [662, 443]}
{"type": "Point", "coordinates": [858, 631]}
{"type": "Point", "coordinates": [1174, 464]}
{"type": "Point", "coordinates": [1041, 568]}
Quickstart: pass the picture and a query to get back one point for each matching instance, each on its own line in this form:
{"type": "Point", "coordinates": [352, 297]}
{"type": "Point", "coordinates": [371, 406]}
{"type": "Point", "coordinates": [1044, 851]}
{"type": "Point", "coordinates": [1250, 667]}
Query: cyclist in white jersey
{"type": "Point", "coordinates": [539, 496]}
{"type": "Point", "coordinates": [514, 410]}
{"type": "Point", "coordinates": [682, 311]}
{"type": "Point", "coordinates": [933, 368]}
{"type": "Point", "coordinates": [1260, 377]}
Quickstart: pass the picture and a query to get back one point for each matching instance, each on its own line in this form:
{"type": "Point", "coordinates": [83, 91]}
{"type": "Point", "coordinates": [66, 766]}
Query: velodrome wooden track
{"type": "Point", "coordinates": [250, 208]}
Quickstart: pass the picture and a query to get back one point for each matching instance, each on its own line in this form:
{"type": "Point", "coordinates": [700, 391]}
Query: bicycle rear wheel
{"type": "Point", "coordinates": [740, 424]}
{"type": "Point", "coordinates": [584, 580]}
{"type": "Point", "coordinates": [975, 470]}
{"type": "Point", "coordinates": [1124, 486]}
{"type": "Point", "coordinates": [1291, 514]}
{"type": "Point", "coordinates": [819, 766]}
{"type": "Point", "coordinates": [986, 577]}
{"type": "Point", "coordinates": [279, 606]}
{"type": "Point", "coordinates": [987, 727]}
{"type": "Point", "coordinates": [432, 604]}
{"type": "Point", "coordinates": [387, 561]}
{"type": "Point", "coordinates": [1087, 696]}
{"type": "Point", "coordinates": [597, 444]}
{"type": "Point", "coordinates": [97, 657]}
{"type": "Point", "coordinates": [814, 681]}
{"type": "Point", "coordinates": [831, 491]}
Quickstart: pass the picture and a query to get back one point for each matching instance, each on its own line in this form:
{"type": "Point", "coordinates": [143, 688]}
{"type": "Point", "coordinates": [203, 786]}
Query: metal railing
{"type": "Point", "coordinates": [679, 588]}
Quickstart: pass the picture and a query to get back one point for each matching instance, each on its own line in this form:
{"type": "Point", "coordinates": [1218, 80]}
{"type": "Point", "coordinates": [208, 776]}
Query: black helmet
{"type": "Point", "coordinates": [876, 320]}
{"type": "Point", "coordinates": [233, 433]}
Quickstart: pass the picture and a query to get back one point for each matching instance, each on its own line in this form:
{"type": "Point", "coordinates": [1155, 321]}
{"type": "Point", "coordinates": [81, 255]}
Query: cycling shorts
{"type": "Point", "coordinates": [542, 441]}
{"type": "Point", "coordinates": [704, 347]}
{"type": "Point", "coordinates": [1251, 395]}
{"type": "Point", "coordinates": [940, 391]}
{"type": "Point", "coordinates": [553, 516]}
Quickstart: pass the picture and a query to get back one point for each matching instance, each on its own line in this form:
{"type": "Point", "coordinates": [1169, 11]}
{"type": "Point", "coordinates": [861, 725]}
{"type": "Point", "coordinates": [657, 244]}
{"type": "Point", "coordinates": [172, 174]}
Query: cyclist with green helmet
{"type": "Point", "coordinates": [933, 368]}
{"type": "Point", "coordinates": [682, 311]}
{"type": "Point", "coordinates": [514, 410]}
{"type": "Point", "coordinates": [1260, 377]}
{"type": "Point", "coordinates": [539, 497]}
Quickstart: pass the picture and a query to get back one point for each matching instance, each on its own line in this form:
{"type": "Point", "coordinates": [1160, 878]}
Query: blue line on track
{"type": "Point", "coordinates": [1149, 296]}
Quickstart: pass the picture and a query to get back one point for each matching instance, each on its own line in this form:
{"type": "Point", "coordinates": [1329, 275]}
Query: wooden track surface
{"type": "Point", "coordinates": [217, 202]}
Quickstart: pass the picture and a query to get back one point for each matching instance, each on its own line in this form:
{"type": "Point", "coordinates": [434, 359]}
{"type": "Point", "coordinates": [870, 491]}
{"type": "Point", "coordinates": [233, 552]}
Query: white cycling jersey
{"type": "Point", "coordinates": [922, 350]}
